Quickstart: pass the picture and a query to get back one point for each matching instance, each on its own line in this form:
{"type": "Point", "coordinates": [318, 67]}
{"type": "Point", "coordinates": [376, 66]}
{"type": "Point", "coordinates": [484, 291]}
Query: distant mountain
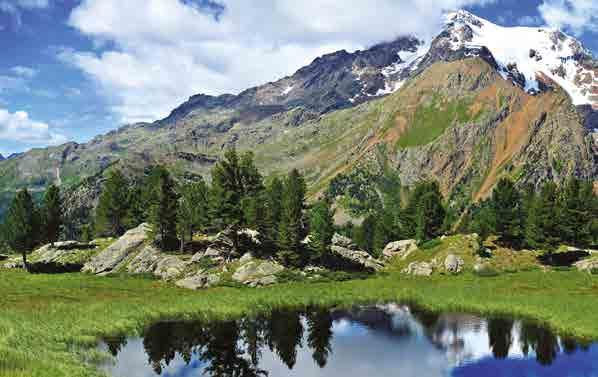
{"type": "Point", "coordinates": [1, 157]}
{"type": "Point", "coordinates": [475, 103]}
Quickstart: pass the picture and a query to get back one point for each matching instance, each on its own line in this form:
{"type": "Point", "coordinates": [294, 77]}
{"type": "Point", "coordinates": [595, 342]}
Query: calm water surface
{"type": "Point", "coordinates": [386, 340]}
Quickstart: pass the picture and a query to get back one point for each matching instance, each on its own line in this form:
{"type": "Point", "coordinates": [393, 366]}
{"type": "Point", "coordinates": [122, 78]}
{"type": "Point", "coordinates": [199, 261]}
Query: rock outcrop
{"type": "Point", "coordinates": [199, 280]}
{"type": "Point", "coordinates": [588, 265]}
{"type": "Point", "coordinates": [401, 249]}
{"type": "Point", "coordinates": [257, 273]}
{"type": "Point", "coordinates": [419, 269]}
{"type": "Point", "coordinates": [346, 252]}
{"type": "Point", "coordinates": [111, 258]}
{"type": "Point", "coordinates": [453, 264]}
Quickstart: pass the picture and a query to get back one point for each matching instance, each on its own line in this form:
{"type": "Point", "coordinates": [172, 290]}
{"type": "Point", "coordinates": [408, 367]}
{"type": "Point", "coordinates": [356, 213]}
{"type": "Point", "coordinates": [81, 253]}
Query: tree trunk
{"type": "Point", "coordinates": [182, 243]}
{"type": "Point", "coordinates": [25, 265]}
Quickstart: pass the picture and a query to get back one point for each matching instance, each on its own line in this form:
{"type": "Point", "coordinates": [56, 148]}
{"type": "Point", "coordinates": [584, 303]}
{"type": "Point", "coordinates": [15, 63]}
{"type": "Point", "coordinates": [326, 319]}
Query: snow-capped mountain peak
{"type": "Point", "coordinates": [531, 57]}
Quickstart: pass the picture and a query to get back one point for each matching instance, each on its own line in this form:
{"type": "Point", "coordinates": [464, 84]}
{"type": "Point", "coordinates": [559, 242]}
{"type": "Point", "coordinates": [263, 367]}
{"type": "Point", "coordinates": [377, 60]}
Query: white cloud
{"type": "Point", "coordinates": [578, 16]}
{"type": "Point", "coordinates": [18, 127]}
{"type": "Point", "coordinates": [167, 50]}
{"type": "Point", "coordinates": [14, 7]}
{"type": "Point", "coordinates": [22, 71]}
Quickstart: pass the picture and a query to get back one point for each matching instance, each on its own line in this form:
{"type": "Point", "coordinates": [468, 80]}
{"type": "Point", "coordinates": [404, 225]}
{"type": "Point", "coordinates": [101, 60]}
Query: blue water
{"type": "Point", "coordinates": [385, 340]}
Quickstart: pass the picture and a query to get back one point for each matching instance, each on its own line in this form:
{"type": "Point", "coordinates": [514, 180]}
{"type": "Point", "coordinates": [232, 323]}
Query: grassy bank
{"type": "Point", "coordinates": [50, 323]}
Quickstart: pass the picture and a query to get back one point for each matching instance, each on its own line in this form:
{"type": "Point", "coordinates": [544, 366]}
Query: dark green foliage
{"type": "Point", "coordinates": [321, 225]}
{"type": "Point", "coordinates": [507, 212]}
{"type": "Point", "coordinates": [137, 208]}
{"type": "Point", "coordinates": [291, 229]}
{"type": "Point", "coordinates": [430, 213]}
{"type": "Point", "coordinates": [51, 214]}
{"type": "Point", "coordinates": [363, 235]}
{"type": "Point", "coordinates": [192, 212]}
{"type": "Point", "coordinates": [112, 207]}
{"type": "Point", "coordinates": [384, 231]}
{"type": "Point", "coordinates": [579, 213]}
{"type": "Point", "coordinates": [22, 224]}
{"type": "Point", "coordinates": [163, 211]}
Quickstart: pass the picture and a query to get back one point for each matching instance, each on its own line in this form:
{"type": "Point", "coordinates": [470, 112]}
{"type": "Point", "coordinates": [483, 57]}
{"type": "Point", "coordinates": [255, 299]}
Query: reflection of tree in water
{"type": "Point", "coordinates": [319, 324]}
{"type": "Point", "coordinates": [284, 335]}
{"type": "Point", "coordinates": [541, 340]}
{"type": "Point", "coordinates": [499, 334]}
{"type": "Point", "coordinates": [115, 344]}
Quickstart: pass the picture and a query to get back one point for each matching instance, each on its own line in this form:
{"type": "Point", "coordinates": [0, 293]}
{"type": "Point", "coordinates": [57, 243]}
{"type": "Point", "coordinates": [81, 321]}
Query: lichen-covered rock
{"type": "Point", "coordinates": [199, 280]}
{"type": "Point", "coordinates": [587, 265]}
{"type": "Point", "coordinates": [419, 269]}
{"type": "Point", "coordinates": [255, 270]}
{"type": "Point", "coordinates": [109, 259]}
{"type": "Point", "coordinates": [145, 261]}
{"type": "Point", "coordinates": [401, 249]}
{"type": "Point", "coordinates": [342, 241]}
{"type": "Point", "coordinates": [453, 264]}
{"type": "Point", "coordinates": [262, 282]}
{"type": "Point", "coordinates": [358, 258]}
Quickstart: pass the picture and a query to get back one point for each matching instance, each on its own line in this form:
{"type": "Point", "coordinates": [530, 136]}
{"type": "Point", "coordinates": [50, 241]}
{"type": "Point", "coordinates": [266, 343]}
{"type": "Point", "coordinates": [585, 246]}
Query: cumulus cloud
{"type": "Point", "coordinates": [18, 127]}
{"type": "Point", "coordinates": [578, 16]}
{"type": "Point", "coordinates": [163, 51]}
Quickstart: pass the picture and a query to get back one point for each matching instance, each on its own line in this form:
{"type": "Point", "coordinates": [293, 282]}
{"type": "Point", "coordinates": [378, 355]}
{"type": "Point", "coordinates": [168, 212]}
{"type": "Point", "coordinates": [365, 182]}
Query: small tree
{"type": "Point", "coordinates": [163, 211]}
{"type": "Point", "coordinates": [430, 214]}
{"type": "Point", "coordinates": [112, 206]}
{"type": "Point", "coordinates": [291, 230]}
{"type": "Point", "coordinates": [321, 226]}
{"type": "Point", "coordinates": [364, 233]}
{"type": "Point", "coordinates": [192, 210]}
{"type": "Point", "coordinates": [21, 225]}
{"type": "Point", "coordinates": [52, 214]}
{"type": "Point", "coordinates": [506, 211]}
{"type": "Point", "coordinates": [273, 209]}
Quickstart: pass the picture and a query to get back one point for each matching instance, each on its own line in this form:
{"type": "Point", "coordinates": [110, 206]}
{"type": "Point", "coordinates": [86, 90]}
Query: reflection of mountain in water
{"type": "Point", "coordinates": [237, 348]}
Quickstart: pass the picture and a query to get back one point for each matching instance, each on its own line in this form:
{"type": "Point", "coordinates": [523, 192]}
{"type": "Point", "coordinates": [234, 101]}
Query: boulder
{"type": "Point", "coordinates": [145, 262]}
{"type": "Point", "coordinates": [356, 258]}
{"type": "Point", "coordinates": [199, 280]}
{"type": "Point", "coordinates": [587, 265]}
{"type": "Point", "coordinates": [246, 258]}
{"type": "Point", "coordinates": [109, 259]}
{"type": "Point", "coordinates": [401, 249]}
{"type": "Point", "coordinates": [342, 241]}
{"type": "Point", "coordinates": [453, 264]}
{"type": "Point", "coordinates": [255, 270]}
{"type": "Point", "coordinates": [419, 269]}
{"type": "Point", "coordinates": [262, 282]}
{"type": "Point", "coordinates": [222, 248]}
{"type": "Point", "coordinates": [169, 267]}
{"type": "Point", "coordinates": [64, 256]}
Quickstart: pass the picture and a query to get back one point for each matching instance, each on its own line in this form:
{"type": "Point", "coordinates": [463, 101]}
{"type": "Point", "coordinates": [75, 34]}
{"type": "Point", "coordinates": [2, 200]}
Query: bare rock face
{"type": "Point", "coordinates": [358, 258]}
{"type": "Point", "coordinates": [419, 269]}
{"type": "Point", "coordinates": [145, 261]}
{"type": "Point", "coordinates": [109, 259]}
{"type": "Point", "coordinates": [401, 249]}
{"type": "Point", "coordinates": [453, 264]}
{"type": "Point", "coordinates": [342, 241]}
{"type": "Point", "coordinates": [169, 267]}
{"type": "Point", "coordinates": [64, 256]}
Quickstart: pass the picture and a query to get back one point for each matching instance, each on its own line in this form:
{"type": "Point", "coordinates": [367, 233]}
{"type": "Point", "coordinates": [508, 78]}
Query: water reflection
{"type": "Point", "coordinates": [374, 341]}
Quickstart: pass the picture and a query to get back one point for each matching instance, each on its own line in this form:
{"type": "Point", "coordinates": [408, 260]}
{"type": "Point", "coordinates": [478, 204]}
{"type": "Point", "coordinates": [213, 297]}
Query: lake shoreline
{"type": "Point", "coordinates": [53, 322]}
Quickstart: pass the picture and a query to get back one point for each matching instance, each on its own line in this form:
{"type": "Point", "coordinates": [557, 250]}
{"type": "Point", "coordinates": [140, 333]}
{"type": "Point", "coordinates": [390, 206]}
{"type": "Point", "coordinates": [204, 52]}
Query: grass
{"type": "Point", "coordinates": [49, 324]}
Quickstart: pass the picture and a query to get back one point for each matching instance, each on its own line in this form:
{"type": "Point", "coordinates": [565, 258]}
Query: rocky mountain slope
{"type": "Point", "coordinates": [462, 108]}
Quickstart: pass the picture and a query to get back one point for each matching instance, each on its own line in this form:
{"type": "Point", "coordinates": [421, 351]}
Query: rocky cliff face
{"type": "Point", "coordinates": [460, 108]}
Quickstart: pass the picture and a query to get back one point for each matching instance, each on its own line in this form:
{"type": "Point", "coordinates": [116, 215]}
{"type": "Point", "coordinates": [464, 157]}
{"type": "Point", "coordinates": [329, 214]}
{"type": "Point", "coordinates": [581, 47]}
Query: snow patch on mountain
{"type": "Point", "coordinates": [534, 53]}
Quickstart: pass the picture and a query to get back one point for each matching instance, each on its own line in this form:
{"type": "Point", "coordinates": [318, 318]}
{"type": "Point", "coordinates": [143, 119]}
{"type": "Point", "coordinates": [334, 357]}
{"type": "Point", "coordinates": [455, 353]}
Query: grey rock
{"type": "Point", "coordinates": [453, 264]}
{"type": "Point", "coordinates": [197, 257]}
{"type": "Point", "coordinates": [109, 259]}
{"type": "Point", "coordinates": [401, 249]}
{"type": "Point", "coordinates": [246, 258]}
{"type": "Point", "coordinates": [199, 280]}
{"type": "Point", "coordinates": [419, 269]}
{"type": "Point", "coordinates": [342, 241]}
{"type": "Point", "coordinates": [169, 267]}
{"type": "Point", "coordinates": [357, 257]}
{"type": "Point", "coordinates": [255, 270]}
{"type": "Point", "coordinates": [145, 261]}
{"type": "Point", "coordinates": [261, 282]}
{"type": "Point", "coordinates": [587, 265]}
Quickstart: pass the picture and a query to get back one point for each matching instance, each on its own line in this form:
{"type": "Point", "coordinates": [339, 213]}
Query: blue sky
{"type": "Point", "coordinates": [72, 69]}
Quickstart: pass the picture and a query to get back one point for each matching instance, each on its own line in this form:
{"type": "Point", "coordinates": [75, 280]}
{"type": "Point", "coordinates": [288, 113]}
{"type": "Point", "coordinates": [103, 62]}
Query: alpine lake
{"type": "Point", "coordinates": [377, 340]}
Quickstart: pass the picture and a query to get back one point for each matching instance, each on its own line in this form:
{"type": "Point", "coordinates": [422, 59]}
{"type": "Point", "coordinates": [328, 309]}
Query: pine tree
{"type": "Point", "coordinates": [112, 207]}
{"type": "Point", "coordinates": [364, 234]}
{"type": "Point", "coordinates": [483, 222]}
{"type": "Point", "coordinates": [430, 213]}
{"type": "Point", "coordinates": [506, 212]}
{"type": "Point", "coordinates": [291, 230]}
{"type": "Point", "coordinates": [192, 210]}
{"type": "Point", "coordinates": [534, 236]}
{"type": "Point", "coordinates": [51, 214]}
{"type": "Point", "coordinates": [163, 211]}
{"type": "Point", "coordinates": [21, 226]}
{"type": "Point", "coordinates": [273, 202]}
{"type": "Point", "coordinates": [383, 232]}
{"type": "Point", "coordinates": [549, 214]}
{"type": "Point", "coordinates": [321, 226]}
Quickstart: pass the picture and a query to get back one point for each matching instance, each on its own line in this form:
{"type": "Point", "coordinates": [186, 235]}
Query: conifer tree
{"type": "Point", "coordinates": [112, 207]}
{"type": "Point", "coordinates": [21, 226]}
{"type": "Point", "coordinates": [534, 237]}
{"type": "Point", "coordinates": [291, 230]}
{"type": "Point", "coordinates": [163, 211]}
{"type": "Point", "coordinates": [430, 213]}
{"type": "Point", "coordinates": [51, 214]}
{"type": "Point", "coordinates": [506, 212]}
{"type": "Point", "coordinates": [364, 233]}
{"type": "Point", "coordinates": [273, 203]}
{"type": "Point", "coordinates": [192, 210]}
{"type": "Point", "coordinates": [383, 232]}
{"type": "Point", "coordinates": [321, 225]}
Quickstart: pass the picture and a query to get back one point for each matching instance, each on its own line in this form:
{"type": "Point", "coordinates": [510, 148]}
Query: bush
{"type": "Point", "coordinates": [430, 244]}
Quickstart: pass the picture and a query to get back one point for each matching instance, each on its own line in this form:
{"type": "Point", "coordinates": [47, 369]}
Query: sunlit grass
{"type": "Point", "coordinates": [49, 324]}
